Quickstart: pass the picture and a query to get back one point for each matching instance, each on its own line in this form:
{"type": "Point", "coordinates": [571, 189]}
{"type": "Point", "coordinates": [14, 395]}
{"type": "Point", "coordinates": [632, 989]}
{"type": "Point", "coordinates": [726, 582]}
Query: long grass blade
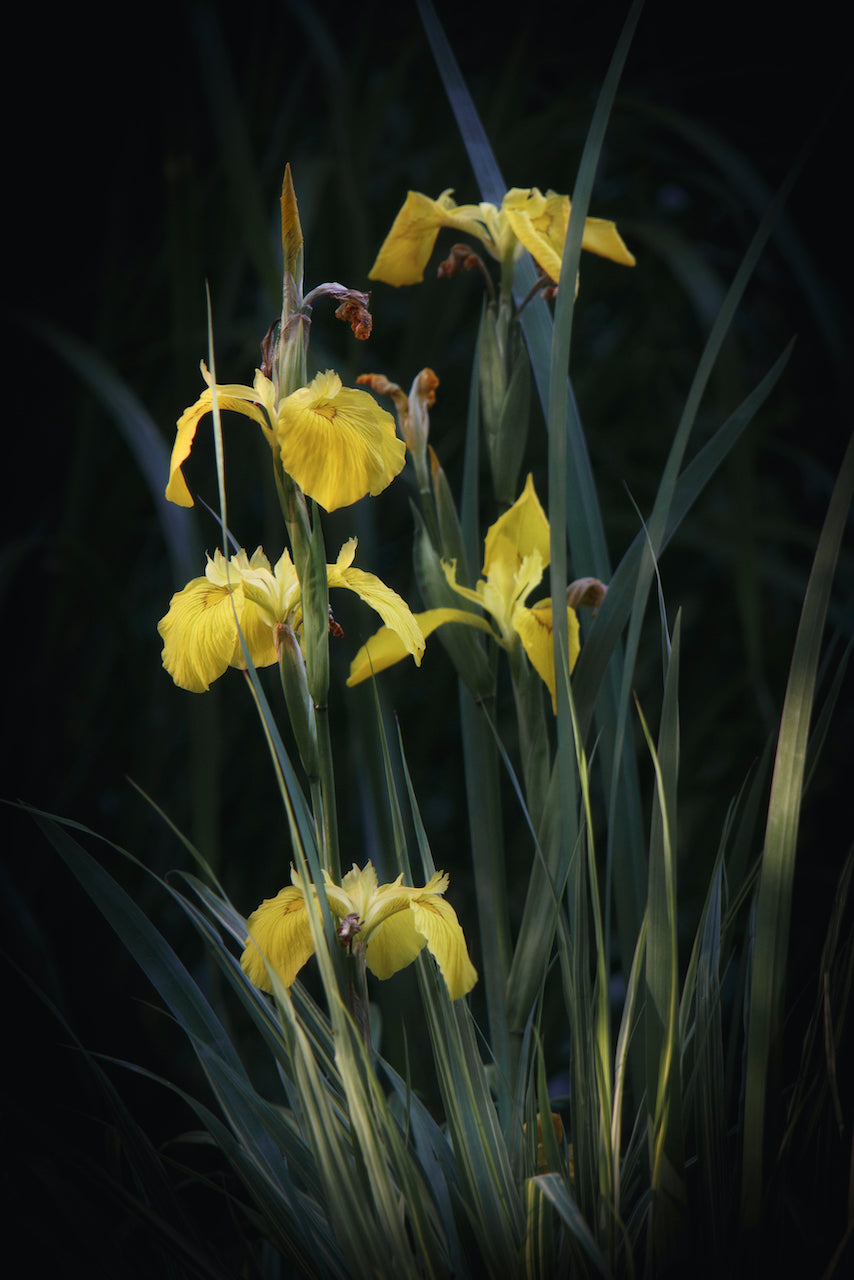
{"type": "Point", "coordinates": [774, 904]}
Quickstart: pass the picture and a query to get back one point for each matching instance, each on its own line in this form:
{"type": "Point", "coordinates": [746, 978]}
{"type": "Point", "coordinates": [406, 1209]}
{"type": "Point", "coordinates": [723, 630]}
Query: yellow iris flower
{"type": "Point", "coordinates": [393, 922]}
{"type": "Point", "coordinates": [334, 441]}
{"type": "Point", "coordinates": [527, 219]}
{"type": "Point", "coordinates": [516, 554]}
{"type": "Point", "coordinates": [200, 638]}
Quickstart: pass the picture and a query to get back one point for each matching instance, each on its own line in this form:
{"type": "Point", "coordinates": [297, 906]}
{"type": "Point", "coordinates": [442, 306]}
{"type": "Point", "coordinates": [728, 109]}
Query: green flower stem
{"type": "Point", "coordinates": [357, 991]}
{"type": "Point", "coordinates": [533, 736]}
{"type": "Point", "coordinates": [294, 511]}
{"type": "Point", "coordinates": [326, 796]}
{"type": "Point", "coordinates": [484, 805]}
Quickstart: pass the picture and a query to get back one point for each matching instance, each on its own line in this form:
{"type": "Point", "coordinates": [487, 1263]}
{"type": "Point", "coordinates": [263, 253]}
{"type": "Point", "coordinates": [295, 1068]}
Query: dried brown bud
{"type": "Point", "coordinates": [352, 308]}
{"type": "Point", "coordinates": [589, 592]}
{"type": "Point", "coordinates": [355, 312]}
{"type": "Point", "coordinates": [335, 627]}
{"type": "Point", "coordinates": [424, 388]}
{"type": "Point", "coordinates": [461, 258]}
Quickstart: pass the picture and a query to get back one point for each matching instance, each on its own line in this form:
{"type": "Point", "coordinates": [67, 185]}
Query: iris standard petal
{"type": "Point", "coordinates": [520, 531]}
{"type": "Point", "coordinates": [337, 443]}
{"type": "Point", "coordinates": [278, 932]}
{"type": "Point", "coordinates": [437, 921]}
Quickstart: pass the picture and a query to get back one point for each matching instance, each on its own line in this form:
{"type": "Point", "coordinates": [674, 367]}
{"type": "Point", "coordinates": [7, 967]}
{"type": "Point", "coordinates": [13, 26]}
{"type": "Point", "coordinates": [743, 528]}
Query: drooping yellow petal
{"type": "Point", "coordinates": [602, 237]}
{"type": "Point", "coordinates": [278, 932]}
{"type": "Point", "coordinates": [386, 647]}
{"type": "Point", "coordinates": [394, 943]}
{"type": "Point", "coordinates": [200, 636]}
{"type": "Point", "coordinates": [540, 222]}
{"type": "Point", "coordinates": [241, 399]}
{"type": "Point", "coordinates": [337, 443]}
{"type": "Point", "coordinates": [407, 248]}
{"type": "Point", "coordinates": [536, 628]}
{"type": "Point", "coordinates": [199, 633]}
{"type": "Point", "coordinates": [437, 921]}
{"type": "Point", "coordinates": [394, 611]}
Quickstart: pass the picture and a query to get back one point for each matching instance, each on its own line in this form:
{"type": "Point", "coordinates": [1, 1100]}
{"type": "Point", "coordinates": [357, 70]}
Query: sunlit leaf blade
{"type": "Point", "coordinates": [774, 905]}
{"type": "Point", "coordinates": [582, 1244]}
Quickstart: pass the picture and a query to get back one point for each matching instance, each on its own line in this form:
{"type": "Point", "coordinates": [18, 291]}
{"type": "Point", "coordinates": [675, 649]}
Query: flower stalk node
{"type": "Point", "coordinates": [347, 930]}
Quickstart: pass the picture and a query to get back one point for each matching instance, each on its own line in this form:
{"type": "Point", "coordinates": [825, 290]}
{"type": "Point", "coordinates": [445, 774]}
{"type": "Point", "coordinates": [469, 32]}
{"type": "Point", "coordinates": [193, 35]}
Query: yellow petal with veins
{"type": "Point", "coordinates": [280, 929]}
{"type": "Point", "coordinates": [437, 921]}
{"type": "Point", "coordinates": [337, 443]}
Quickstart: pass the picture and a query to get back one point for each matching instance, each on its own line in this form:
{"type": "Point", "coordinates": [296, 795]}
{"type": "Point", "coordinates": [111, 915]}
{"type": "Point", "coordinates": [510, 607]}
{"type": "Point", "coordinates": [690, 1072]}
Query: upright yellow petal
{"type": "Point", "coordinates": [521, 531]}
{"type": "Point", "coordinates": [278, 932]}
{"type": "Point", "coordinates": [539, 223]}
{"type": "Point", "coordinates": [337, 443]}
{"type": "Point", "coordinates": [437, 921]}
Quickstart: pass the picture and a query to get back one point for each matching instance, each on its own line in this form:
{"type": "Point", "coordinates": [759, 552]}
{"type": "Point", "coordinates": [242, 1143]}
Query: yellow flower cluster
{"type": "Point", "coordinates": [334, 441]}
{"type": "Point", "coordinates": [392, 921]}
{"type": "Point", "coordinates": [516, 555]}
{"type": "Point", "coordinates": [527, 219]}
{"type": "Point", "coordinates": [200, 631]}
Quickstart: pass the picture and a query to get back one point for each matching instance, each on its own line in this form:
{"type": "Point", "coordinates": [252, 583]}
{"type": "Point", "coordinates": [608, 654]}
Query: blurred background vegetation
{"type": "Point", "coordinates": [158, 169]}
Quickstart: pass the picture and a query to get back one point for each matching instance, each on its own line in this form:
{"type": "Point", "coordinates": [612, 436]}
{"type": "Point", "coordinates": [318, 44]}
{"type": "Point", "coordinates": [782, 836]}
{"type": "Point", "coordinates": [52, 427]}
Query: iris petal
{"type": "Point", "coordinates": [337, 443]}
{"type": "Point", "coordinates": [437, 921]}
{"type": "Point", "coordinates": [386, 647]}
{"type": "Point", "coordinates": [199, 633]}
{"type": "Point", "coordinates": [234, 396]}
{"type": "Point", "coordinates": [279, 929]}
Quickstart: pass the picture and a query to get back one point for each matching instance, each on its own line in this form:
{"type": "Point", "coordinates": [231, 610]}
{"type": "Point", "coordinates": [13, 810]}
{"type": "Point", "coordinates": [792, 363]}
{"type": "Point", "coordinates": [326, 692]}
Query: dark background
{"type": "Point", "coordinates": [145, 160]}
